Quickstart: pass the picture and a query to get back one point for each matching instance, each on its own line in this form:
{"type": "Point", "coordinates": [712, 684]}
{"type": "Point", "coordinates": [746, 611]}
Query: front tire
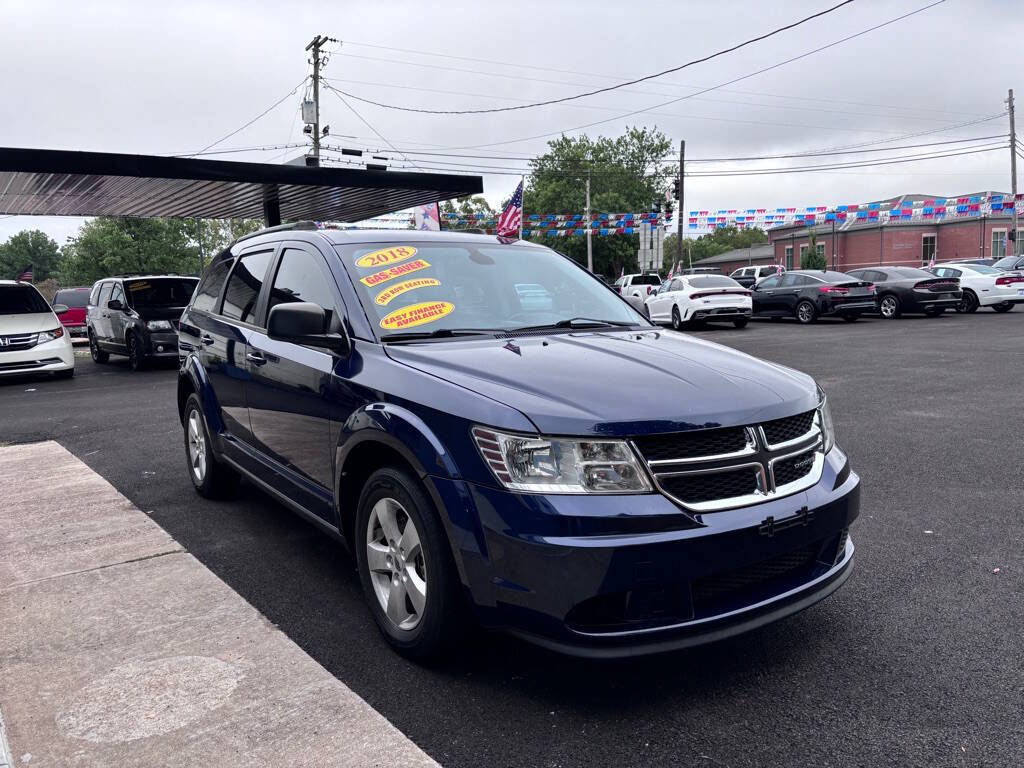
{"type": "Point", "coordinates": [968, 303]}
{"type": "Point", "coordinates": [405, 566]}
{"type": "Point", "coordinates": [136, 357]}
{"type": "Point", "coordinates": [889, 306]}
{"type": "Point", "coordinates": [806, 313]}
{"type": "Point", "coordinates": [1004, 307]}
{"type": "Point", "coordinates": [98, 355]}
{"type": "Point", "coordinates": [211, 478]}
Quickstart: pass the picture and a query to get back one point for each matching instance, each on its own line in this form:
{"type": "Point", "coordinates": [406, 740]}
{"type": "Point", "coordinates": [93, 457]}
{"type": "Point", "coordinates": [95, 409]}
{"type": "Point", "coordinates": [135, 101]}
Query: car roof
{"type": "Point", "coordinates": [141, 277]}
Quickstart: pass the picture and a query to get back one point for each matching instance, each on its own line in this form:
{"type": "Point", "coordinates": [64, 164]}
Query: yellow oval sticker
{"type": "Point", "coordinates": [384, 297]}
{"type": "Point", "coordinates": [392, 272]}
{"type": "Point", "coordinates": [416, 314]}
{"type": "Point", "coordinates": [386, 256]}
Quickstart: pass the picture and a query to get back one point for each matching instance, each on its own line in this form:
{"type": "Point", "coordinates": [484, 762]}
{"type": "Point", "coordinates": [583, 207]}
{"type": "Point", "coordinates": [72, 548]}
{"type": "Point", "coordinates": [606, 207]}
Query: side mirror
{"type": "Point", "coordinates": [115, 304]}
{"type": "Point", "coordinates": [305, 323]}
{"type": "Point", "coordinates": [60, 309]}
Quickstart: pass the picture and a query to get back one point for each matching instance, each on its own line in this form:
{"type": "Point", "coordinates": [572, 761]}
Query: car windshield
{"type": "Point", "coordinates": [452, 286]}
{"type": "Point", "coordinates": [21, 300]}
{"type": "Point", "coordinates": [713, 281]}
{"type": "Point", "coordinates": [72, 297]}
{"type": "Point", "coordinates": [1007, 262]}
{"type": "Point", "coordinates": [160, 291]}
{"type": "Point", "coordinates": [646, 280]}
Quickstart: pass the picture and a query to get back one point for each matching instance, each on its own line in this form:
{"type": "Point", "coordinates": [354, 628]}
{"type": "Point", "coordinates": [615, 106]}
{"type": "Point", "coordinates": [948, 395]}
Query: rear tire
{"type": "Point", "coordinates": [806, 313]}
{"type": "Point", "coordinates": [889, 307]}
{"type": "Point", "coordinates": [136, 357]}
{"type": "Point", "coordinates": [740, 322]}
{"type": "Point", "coordinates": [677, 321]}
{"type": "Point", "coordinates": [1004, 307]}
{"type": "Point", "coordinates": [211, 478]}
{"type": "Point", "coordinates": [406, 568]}
{"type": "Point", "coordinates": [98, 355]}
{"type": "Point", "coordinates": [968, 304]}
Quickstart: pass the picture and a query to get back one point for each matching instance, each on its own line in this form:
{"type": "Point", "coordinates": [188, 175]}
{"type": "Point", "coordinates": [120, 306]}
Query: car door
{"type": "Point", "coordinates": [763, 296]}
{"type": "Point", "coordinates": [100, 325]}
{"type": "Point", "coordinates": [660, 303]}
{"type": "Point", "coordinates": [676, 293]}
{"type": "Point", "coordinates": [293, 392]}
{"type": "Point", "coordinates": [117, 319]}
{"type": "Point", "coordinates": [789, 293]}
{"type": "Point", "coordinates": [223, 338]}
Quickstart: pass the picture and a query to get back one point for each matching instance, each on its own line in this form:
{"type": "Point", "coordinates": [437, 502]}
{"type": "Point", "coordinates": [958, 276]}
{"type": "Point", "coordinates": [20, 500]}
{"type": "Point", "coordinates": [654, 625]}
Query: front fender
{"type": "Point", "coordinates": [194, 374]}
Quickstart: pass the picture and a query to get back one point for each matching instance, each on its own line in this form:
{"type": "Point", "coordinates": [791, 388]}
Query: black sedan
{"type": "Point", "coordinates": [810, 294]}
{"type": "Point", "coordinates": [905, 289]}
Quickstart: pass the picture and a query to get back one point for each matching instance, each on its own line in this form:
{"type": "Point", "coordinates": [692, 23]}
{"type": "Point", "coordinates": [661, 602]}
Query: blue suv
{"type": "Point", "coordinates": [500, 438]}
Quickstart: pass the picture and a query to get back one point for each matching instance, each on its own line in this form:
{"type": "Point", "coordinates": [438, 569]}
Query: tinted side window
{"type": "Point", "coordinates": [117, 293]}
{"type": "Point", "coordinates": [209, 287]}
{"type": "Point", "coordinates": [300, 278]}
{"type": "Point", "coordinates": [769, 282]}
{"type": "Point", "coordinates": [789, 280]}
{"type": "Point", "coordinates": [677, 285]}
{"type": "Point", "coordinates": [243, 289]}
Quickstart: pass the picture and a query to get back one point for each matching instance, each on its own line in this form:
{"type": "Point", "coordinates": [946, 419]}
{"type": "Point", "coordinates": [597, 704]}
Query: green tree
{"type": "Point", "coordinates": [626, 175]}
{"type": "Point", "coordinates": [712, 244]}
{"type": "Point", "coordinates": [29, 247]}
{"type": "Point", "coordinates": [812, 259]}
{"type": "Point", "coordinates": [464, 206]}
{"type": "Point", "coordinates": [112, 246]}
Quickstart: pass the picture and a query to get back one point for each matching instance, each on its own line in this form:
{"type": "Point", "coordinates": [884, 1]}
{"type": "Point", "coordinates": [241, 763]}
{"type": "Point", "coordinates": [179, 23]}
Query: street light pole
{"type": "Point", "coordinates": [1013, 168]}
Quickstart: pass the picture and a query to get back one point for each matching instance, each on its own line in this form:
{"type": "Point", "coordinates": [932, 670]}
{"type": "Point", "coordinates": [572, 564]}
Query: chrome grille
{"type": "Point", "coordinates": [709, 470]}
{"type": "Point", "coordinates": [16, 341]}
{"type": "Point", "coordinates": [789, 428]}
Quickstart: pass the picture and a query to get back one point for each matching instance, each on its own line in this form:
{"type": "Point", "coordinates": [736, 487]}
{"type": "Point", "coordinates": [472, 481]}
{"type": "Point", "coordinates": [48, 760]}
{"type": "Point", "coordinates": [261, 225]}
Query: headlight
{"type": "Point", "coordinates": [159, 325]}
{"type": "Point", "coordinates": [45, 336]}
{"type": "Point", "coordinates": [828, 430]}
{"type": "Point", "coordinates": [557, 465]}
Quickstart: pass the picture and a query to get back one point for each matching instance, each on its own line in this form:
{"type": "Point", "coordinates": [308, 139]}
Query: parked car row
{"type": "Point", "coordinates": [32, 338]}
{"type": "Point", "coordinates": [806, 295]}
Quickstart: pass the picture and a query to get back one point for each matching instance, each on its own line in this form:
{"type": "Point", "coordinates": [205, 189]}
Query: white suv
{"type": "Point", "coordinates": [32, 340]}
{"type": "Point", "coordinates": [747, 276]}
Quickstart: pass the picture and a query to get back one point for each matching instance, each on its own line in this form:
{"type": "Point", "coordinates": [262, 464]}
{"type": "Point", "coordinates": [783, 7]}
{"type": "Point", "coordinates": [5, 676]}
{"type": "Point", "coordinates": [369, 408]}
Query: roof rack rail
{"type": "Point", "coordinates": [300, 225]}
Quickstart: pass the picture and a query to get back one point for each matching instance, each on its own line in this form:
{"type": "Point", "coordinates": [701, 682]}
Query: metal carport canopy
{"type": "Point", "coordinates": [50, 182]}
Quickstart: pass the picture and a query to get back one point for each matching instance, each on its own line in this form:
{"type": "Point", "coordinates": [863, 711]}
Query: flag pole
{"type": "Point", "coordinates": [522, 213]}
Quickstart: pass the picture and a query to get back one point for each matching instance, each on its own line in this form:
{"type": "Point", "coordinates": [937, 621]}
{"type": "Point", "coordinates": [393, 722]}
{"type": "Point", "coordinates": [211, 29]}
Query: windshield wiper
{"type": "Point", "coordinates": [574, 322]}
{"type": "Point", "coordinates": [440, 333]}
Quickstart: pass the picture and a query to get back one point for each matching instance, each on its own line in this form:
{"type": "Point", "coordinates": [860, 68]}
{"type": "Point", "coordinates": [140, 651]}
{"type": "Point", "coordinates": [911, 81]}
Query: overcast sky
{"type": "Point", "coordinates": [174, 77]}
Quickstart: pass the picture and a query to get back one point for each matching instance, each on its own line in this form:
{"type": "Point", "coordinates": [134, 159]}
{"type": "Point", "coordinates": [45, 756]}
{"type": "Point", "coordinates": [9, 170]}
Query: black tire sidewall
{"type": "Point", "coordinates": [434, 633]}
{"type": "Point", "coordinates": [193, 404]}
{"type": "Point", "coordinates": [137, 361]}
{"type": "Point", "coordinates": [813, 315]}
{"type": "Point", "coordinates": [677, 320]}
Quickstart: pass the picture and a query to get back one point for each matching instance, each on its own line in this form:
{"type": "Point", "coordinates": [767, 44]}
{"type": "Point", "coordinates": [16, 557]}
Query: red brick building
{"type": "Point", "coordinates": [854, 244]}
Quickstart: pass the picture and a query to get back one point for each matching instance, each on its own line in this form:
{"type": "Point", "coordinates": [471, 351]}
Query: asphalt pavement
{"type": "Point", "coordinates": [915, 662]}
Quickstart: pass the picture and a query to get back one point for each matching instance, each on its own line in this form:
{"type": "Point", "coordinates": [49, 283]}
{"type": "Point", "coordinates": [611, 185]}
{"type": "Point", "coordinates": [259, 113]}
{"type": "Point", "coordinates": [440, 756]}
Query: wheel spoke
{"type": "Point", "coordinates": [395, 608]}
{"type": "Point", "coordinates": [410, 541]}
{"type": "Point", "coordinates": [385, 512]}
{"type": "Point", "coordinates": [416, 588]}
{"type": "Point", "coordinates": [376, 558]}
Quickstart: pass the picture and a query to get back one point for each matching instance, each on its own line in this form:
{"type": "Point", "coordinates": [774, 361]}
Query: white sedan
{"type": "Point", "coordinates": [691, 299]}
{"type": "Point", "coordinates": [32, 340]}
{"type": "Point", "coordinates": [984, 286]}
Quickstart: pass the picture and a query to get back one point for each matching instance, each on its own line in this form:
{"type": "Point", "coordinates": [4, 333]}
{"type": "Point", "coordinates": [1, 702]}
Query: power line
{"type": "Point", "coordinates": [261, 114]}
{"type": "Point", "coordinates": [842, 152]}
{"type": "Point", "coordinates": [608, 88]}
{"type": "Point", "coordinates": [519, 65]}
{"type": "Point", "coordinates": [367, 124]}
{"type": "Point", "coordinates": [235, 150]}
{"type": "Point", "coordinates": [711, 88]}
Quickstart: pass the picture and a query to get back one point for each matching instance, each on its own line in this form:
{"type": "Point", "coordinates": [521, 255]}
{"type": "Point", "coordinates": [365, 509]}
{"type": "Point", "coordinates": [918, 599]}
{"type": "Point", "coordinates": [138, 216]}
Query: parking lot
{"type": "Point", "coordinates": [916, 661]}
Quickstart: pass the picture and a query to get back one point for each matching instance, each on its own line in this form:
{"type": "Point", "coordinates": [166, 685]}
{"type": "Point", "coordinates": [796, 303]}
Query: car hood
{"type": "Point", "coordinates": [28, 323]}
{"type": "Point", "coordinates": [618, 383]}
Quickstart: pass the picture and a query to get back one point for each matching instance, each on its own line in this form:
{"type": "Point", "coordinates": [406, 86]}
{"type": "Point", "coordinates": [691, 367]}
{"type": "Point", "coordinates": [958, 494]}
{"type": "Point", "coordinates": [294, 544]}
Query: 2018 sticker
{"type": "Point", "coordinates": [416, 314]}
{"type": "Point", "coordinates": [386, 256]}
{"type": "Point", "coordinates": [384, 297]}
{"type": "Point", "coordinates": [392, 272]}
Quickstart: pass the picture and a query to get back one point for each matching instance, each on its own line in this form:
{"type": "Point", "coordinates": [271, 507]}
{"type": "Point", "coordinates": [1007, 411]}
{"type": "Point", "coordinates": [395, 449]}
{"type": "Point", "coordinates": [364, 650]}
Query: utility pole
{"type": "Point", "coordinates": [590, 251]}
{"type": "Point", "coordinates": [314, 45]}
{"type": "Point", "coordinates": [679, 216]}
{"type": "Point", "coordinates": [1013, 168]}
{"type": "Point", "coordinates": [199, 240]}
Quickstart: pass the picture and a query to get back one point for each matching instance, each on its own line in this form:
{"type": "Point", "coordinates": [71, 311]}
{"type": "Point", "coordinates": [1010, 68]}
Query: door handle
{"type": "Point", "coordinates": [256, 358]}
{"type": "Point", "coordinates": [207, 339]}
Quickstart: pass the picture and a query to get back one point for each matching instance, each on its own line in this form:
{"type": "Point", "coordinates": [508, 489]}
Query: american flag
{"type": "Point", "coordinates": [26, 276]}
{"type": "Point", "coordinates": [512, 216]}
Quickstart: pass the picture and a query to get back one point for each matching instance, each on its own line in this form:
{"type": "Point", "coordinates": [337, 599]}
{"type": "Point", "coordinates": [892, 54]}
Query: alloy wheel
{"type": "Point", "coordinates": [888, 307]}
{"type": "Point", "coordinates": [196, 446]}
{"type": "Point", "coordinates": [395, 559]}
{"type": "Point", "coordinates": [805, 312]}
{"type": "Point", "coordinates": [677, 322]}
{"type": "Point", "coordinates": [93, 349]}
{"type": "Point", "coordinates": [133, 353]}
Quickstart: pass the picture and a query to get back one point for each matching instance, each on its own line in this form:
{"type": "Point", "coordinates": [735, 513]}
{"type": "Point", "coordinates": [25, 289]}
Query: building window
{"type": "Point", "coordinates": [820, 248]}
{"type": "Point", "coordinates": [927, 249]}
{"type": "Point", "coordinates": [803, 253]}
{"type": "Point", "coordinates": [998, 243]}
{"type": "Point", "coordinates": [789, 257]}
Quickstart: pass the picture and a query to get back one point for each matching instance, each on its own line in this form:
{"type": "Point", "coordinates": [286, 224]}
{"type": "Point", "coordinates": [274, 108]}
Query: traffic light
{"type": "Point", "coordinates": [675, 189]}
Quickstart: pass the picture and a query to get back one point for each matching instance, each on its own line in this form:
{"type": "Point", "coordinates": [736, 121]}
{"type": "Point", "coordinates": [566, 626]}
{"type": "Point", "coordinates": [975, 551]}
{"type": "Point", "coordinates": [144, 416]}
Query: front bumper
{"type": "Point", "coordinates": [56, 355]}
{"type": "Point", "coordinates": [614, 576]}
{"type": "Point", "coordinates": [161, 344]}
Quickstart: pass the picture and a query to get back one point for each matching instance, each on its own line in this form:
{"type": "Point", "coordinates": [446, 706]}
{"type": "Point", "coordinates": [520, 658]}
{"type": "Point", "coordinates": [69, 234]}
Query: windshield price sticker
{"type": "Point", "coordinates": [392, 272]}
{"type": "Point", "coordinates": [386, 256]}
{"type": "Point", "coordinates": [416, 314]}
{"type": "Point", "coordinates": [384, 297]}
{"type": "Point", "coordinates": [138, 286]}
